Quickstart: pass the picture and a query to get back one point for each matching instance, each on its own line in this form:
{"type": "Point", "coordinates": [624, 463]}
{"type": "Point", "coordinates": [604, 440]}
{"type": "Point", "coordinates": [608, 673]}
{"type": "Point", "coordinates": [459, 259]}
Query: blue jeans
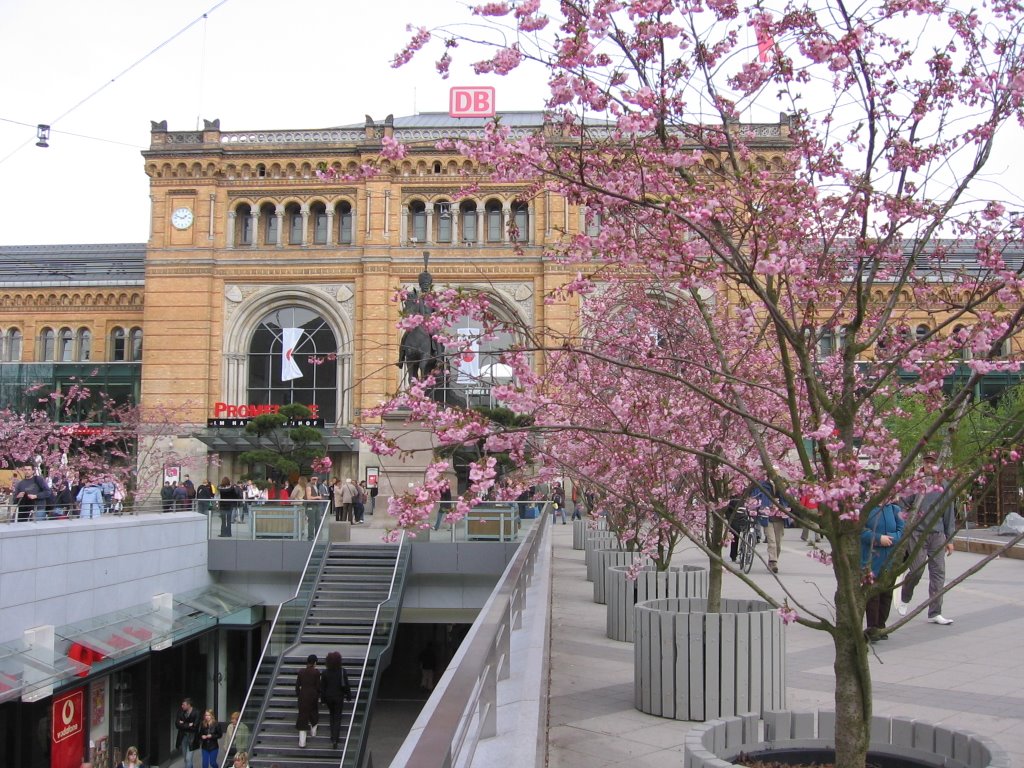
{"type": "Point", "coordinates": [559, 510]}
{"type": "Point", "coordinates": [186, 754]}
{"type": "Point", "coordinates": [210, 758]}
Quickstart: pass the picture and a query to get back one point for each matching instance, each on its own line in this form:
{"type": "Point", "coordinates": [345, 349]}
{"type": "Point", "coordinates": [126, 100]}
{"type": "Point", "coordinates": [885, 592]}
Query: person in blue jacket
{"type": "Point", "coordinates": [882, 531]}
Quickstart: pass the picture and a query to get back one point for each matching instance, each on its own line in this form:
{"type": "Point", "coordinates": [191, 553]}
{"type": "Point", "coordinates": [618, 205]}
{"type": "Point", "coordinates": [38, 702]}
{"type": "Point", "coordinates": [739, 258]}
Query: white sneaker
{"type": "Point", "coordinates": [901, 607]}
{"type": "Point", "coordinates": [312, 731]}
{"type": "Point", "coordinates": [939, 620]}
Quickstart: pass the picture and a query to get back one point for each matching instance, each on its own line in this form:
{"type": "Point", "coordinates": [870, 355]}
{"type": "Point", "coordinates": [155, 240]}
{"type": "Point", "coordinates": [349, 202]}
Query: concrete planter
{"type": "Point", "coordinates": [807, 735]}
{"type": "Point", "coordinates": [694, 665]}
{"type": "Point", "coordinates": [622, 594]}
{"type": "Point", "coordinates": [605, 559]}
{"type": "Point", "coordinates": [581, 528]}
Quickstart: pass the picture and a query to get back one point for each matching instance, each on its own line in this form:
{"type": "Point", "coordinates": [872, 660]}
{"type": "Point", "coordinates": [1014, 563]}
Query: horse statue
{"type": "Point", "coordinates": [419, 354]}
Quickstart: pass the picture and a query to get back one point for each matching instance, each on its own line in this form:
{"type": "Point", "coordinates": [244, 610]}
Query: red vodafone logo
{"type": "Point", "coordinates": [67, 716]}
{"type": "Point", "coordinates": [471, 102]}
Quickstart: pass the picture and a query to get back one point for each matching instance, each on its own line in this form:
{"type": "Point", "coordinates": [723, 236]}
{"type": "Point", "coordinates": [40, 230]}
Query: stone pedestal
{"type": "Point", "coordinates": [338, 532]}
{"type": "Point", "coordinates": [416, 442]}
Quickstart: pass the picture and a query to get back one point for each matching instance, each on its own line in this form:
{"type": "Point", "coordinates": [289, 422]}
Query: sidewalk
{"type": "Point", "coordinates": [969, 674]}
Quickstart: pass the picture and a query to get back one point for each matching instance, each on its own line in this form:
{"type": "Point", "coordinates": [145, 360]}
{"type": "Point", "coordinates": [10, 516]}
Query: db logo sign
{"type": "Point", "coordinates": [471, 102]}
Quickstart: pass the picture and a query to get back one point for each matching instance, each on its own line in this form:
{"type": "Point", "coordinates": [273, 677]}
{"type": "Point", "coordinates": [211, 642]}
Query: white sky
{"type": "Point", "coordinates": [254, 64]}
{"type": "Point", "coordinates": [268, 65]}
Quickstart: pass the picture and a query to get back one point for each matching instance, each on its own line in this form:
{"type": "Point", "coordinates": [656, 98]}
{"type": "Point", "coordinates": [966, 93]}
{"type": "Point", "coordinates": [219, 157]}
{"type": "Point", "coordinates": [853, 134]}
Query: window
{"type": "Point", "coordinates": [319, 224]}
{"type": "Point", "coordinates": [12, 346]}
{"type": "Point", "coordinates": [418, 212]}
{"type": "Point", "coordinates": [443, 213]}
{"type": "Point", "coordinates": [136, 345]}
{"type": "Point", "coordinates": [315, 353]}
{"type": "Point", "coordinates": [294, 216]}
{"type": "Point", "coordinates": [84, 344]}
{"type": "Point", "coordinates": [468, 216]}
{"type": "Point", "coordinates": [593, 223]}
{"type": "Point", "coordinates": [345, 223]}
{"type": "Point", "coordinates": [47, 345]}
{"type": "Point", "coordinates": [261, 171]}
{"type": "Point", "coordinates": [65, 346]}
{"type": "Point", "coordinates": [243, 225]}
{"type": "Point", "coordinates": [118, 351]}
{"type": "Point", "coordinates": [268, 223]}
{"type": "Point", "coordinates": [921, 332]}
{"type": "Point", "coordinates": [521, 217]}
{"type": "Point", "coordinates": [493, 209]}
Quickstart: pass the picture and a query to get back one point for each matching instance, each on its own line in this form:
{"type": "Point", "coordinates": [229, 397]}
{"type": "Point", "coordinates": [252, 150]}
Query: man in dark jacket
{"type": "Point", "coordinates": [187, 723]}
{"type": "Point", "coordinates": [31, 494]}
{"type": "Point", "coordinates": [167, 496]}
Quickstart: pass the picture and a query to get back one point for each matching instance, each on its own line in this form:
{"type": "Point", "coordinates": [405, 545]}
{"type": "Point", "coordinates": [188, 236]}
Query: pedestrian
{"type": "Point", "coordinates": [31, 494]}
{"type": "Point", "coordinates": [936, 524]}
{"type": "Point", "coordinates": [577, 501]}
{"type": "Point", "coordinates": [131, 758]}
{"type": "Point", "coordinates": [230, 501]}
{"type": "Point", "coordinates": [374, 490]}
{"type": "Point", "coordinates": [307, 692]}
{"type": "Point", "coordinates": [209, 739]}
{"type": "Point", "coordinates": [882, 531]}
{"type": "Point", "coordinates": [771, 514]}
{"type": "Point", "coordinates": [237, 735]}
{"type": "Point", "coordinates": [241, 760]}
{"type": "Point", "coordinates": [90, 500]}
{"type": "Point", "coordinates": [336, 691]}
{"type": "Point", "coordinates": [181, 499]}
{"type": "Point", "coordinates": [428, 666]}
{"type": "Point", "coordinates": [167, 497]}
{"type": "Point", "coordinates": [190, 487]}
{"type": "Point", "coordinates": [444, 506]}
{"type": "Point", "coordinates": [359, 505]}
{"type": "Point", "coordinates": [63, 500]}
{"type": "Point", "coordinates": [344, 500]}
{"type": "Point", "coordinates": [204, 497]}
{"type": "Point", "coordinates": [809, 532]}
{"type": "Point", "coordinates": [187, 723]}
{"type": "Point", "coordinates": [558, 502]}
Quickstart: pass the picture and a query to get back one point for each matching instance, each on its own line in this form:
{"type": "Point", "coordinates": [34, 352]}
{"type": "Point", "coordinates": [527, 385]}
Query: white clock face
{"type": "Point", "coordinates": [182, 218]}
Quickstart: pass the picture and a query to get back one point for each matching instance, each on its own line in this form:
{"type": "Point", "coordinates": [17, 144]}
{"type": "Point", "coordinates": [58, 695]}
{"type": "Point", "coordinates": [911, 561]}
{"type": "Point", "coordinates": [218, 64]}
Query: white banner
{"type": "Point", "coordinates": [469, 356]}
{"type": "Point", "coordinates": [289, 339]}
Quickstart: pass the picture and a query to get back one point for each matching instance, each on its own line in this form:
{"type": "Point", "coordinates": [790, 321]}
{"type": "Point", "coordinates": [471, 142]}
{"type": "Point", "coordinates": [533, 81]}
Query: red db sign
{"type": "Point", "coordinates": [471, 102]}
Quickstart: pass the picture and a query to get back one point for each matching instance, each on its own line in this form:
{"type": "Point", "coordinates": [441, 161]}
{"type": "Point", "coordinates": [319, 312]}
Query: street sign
{"type": "Point", "coordinates": [471, 102]}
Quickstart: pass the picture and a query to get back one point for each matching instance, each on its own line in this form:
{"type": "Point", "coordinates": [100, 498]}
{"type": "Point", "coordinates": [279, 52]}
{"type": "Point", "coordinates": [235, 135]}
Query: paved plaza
{"type": "Point", "coordinates": [969, 675]}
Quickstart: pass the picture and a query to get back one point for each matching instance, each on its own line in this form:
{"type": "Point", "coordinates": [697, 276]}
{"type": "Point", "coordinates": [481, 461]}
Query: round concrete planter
{"type": "Point", "coordinates": [580, 529]}
{"type": "Point", "coordinates": [809, 736]}
{"type": "Point", "coordinates": [603, 560]}
{"type": "Point", "coordinates": [622, 593]}
{"type": "Point", "coordinates": [694, 665]}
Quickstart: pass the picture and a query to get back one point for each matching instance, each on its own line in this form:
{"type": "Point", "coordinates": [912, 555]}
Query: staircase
{"type": "Point", "coordinates": [353, 581]}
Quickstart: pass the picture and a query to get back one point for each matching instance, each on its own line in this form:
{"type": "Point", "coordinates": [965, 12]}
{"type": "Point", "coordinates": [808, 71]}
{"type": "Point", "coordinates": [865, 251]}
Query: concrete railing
{"type": "Point", "coordinates": [461, 724]}
{"type": "Point", "coordinates": [715, 743]}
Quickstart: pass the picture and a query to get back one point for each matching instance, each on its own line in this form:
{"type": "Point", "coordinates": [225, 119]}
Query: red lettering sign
{"type": "Point", "coordinates": [471, 102]}
{"type": "Point", "coordinates": [68, 734]}
{"type": "Point", "coordinates": [249, 411]}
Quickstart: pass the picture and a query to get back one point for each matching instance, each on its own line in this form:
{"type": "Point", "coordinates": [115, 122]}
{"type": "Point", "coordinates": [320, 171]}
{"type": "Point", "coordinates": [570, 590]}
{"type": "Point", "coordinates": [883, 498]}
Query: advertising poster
{"type": "Point", "coordinates": [68, 729]}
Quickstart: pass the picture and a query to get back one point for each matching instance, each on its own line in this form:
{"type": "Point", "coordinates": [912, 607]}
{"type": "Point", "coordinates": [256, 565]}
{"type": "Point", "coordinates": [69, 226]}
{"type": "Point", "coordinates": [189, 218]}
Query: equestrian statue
{"type": "Point", "coordinates": [419, 354]}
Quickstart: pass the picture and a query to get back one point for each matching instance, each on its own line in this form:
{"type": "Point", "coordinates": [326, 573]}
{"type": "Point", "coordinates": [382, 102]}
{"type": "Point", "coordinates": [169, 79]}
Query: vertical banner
{"type": "Point", "coordinates": [469, 356]}
{"type": "Point", "coordinates": [289, 340]}
{"type": "Point", "coordinates": [68, 729]}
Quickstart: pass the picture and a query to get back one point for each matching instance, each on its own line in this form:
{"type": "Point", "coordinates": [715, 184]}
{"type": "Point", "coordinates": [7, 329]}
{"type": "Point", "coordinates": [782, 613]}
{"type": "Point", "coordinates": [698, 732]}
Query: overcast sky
{"type": "Point", "coordinates": [254, 64]}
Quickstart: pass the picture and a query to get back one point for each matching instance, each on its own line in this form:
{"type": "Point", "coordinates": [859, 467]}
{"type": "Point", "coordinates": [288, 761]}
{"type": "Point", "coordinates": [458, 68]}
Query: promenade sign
{"type": "Point", "coordinates": [471, 102]}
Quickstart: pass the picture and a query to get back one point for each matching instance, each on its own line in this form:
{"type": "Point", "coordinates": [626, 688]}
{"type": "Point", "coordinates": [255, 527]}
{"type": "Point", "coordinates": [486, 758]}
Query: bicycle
{"type": "Point", "coordinates": [747, 537]}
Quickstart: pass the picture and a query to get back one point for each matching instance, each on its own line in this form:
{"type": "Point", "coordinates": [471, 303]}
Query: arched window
{"type": "Point", "coordinates": [443, 222]}
{"type": "Point", "coordinates": [418, 216]}
{"type": "Point", "coordinates": [521, 219]}
{"type": "Point", "coordinates": [268, 224]}
{"type": "Point", "coordinates": [493, 210]}
{"type": "Point", "coordinates": [83, 343]}
{"type": "Point", "coordinates": [47, 345]}
{"type": "Point", "coordinates": [243, 225]}
{"type": "Point", "coordinates": [65, 346]}
{"type": "Point", "coordinates": [293, 215]}
{"type": "Point", "coordinates": [314, 350]}
{"type": "Point", "coordinates": [345, 223]}
{"type": "Point", "coordinates": [468, 216]}
{"type": "Point", "coordinates": [135, 351]}
{"type": "Point", "coordinates": [921, 332]}
{"type": "Point", "coordinates": [118, 352]}
{"type": "Point", "coordinates": [479, 368]}
{"type": "Point", "coordinates": [319, 213]}
{"type": "Point", "coordinates": [12, 346]}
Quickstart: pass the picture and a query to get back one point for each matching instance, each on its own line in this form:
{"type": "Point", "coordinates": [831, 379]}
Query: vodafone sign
{"type": "Point", "coordinates": [68, 737]}
{"type": "Point", "coordinates": [471, 102]}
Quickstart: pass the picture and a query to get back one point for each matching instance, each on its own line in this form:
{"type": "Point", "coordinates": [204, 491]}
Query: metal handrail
{"type": "Point", "coordinates": [270, 636]}
{"type": "Point", "coordinates": [447, 730]}
{"type": "Point", "coordinates": [369, 647]}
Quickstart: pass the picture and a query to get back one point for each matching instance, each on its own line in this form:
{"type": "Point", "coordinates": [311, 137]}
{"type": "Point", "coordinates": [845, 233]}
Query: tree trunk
{"type": "Point", "coordinates": [714, 585]}
{"type": "Point", "coordinates": [852, 673]}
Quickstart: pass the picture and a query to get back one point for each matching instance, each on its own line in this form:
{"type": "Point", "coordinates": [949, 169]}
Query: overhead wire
{"type": "Point", "coordinates": [114, 79]}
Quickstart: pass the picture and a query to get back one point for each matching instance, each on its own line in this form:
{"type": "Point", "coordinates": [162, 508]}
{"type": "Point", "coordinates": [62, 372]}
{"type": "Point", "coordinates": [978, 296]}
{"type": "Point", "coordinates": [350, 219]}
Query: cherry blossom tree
{"type": "Point", "coordinates": [858, 241]}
